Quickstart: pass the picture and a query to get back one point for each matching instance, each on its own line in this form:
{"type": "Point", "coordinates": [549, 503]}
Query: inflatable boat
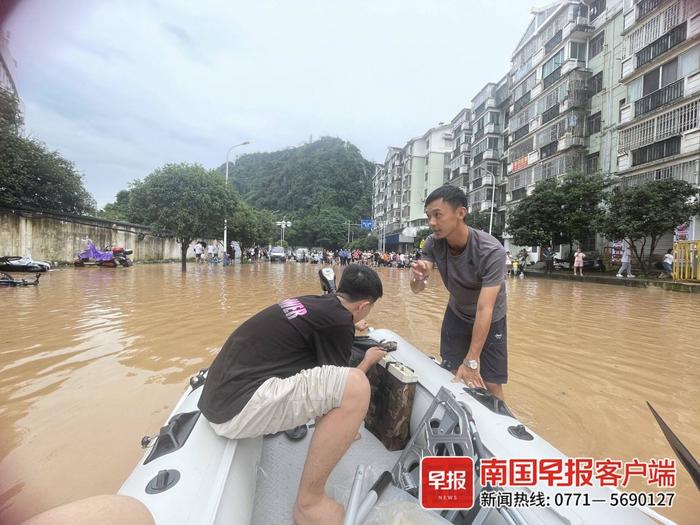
{"type": "Point", "coordinates": [189, 475]}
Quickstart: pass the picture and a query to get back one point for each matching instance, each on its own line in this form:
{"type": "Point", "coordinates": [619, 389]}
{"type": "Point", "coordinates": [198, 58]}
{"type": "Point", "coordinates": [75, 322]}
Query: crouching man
{"type": "Point", "coordinates": [288, 364]}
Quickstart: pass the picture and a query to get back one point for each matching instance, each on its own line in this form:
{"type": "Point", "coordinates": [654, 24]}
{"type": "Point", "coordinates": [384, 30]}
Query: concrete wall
{"type": "Point", "coordinates": [54, 237]}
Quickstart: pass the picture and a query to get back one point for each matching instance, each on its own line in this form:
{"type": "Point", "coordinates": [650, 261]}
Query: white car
{"type": "Point", "coordinates": [278, 254]}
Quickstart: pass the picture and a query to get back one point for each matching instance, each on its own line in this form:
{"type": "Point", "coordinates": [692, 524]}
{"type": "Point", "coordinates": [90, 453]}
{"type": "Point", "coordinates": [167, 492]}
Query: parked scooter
{"type": "Point", "coordinates": [109, 258]}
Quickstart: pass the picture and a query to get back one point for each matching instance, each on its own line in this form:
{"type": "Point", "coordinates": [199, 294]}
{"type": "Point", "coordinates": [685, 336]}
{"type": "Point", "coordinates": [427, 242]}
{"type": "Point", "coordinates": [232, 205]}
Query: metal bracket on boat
{"type": "Point", "coordinates": [443, 431]}
{"type": "Point", "coordinates": [198, 380]}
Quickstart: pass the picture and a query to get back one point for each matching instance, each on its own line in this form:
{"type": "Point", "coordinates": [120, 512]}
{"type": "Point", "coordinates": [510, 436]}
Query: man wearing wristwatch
{"type": "Point", "coordinates": [473, 338]}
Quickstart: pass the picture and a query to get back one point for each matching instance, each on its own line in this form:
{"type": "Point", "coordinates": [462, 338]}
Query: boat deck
{"type": "Point", "coordinates": [282, 464]}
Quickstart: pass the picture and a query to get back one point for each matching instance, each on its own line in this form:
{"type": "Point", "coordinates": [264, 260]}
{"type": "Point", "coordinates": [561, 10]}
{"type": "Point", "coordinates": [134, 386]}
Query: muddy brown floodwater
{"type": "Point", "coordinates": [92, 359]}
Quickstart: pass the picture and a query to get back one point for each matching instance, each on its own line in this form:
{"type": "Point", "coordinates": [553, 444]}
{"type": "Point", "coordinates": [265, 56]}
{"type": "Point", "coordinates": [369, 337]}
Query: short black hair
{"type": "Point", "coordinates": [451, 195]}
{"type": "Point", "coordinates": [359, 283]}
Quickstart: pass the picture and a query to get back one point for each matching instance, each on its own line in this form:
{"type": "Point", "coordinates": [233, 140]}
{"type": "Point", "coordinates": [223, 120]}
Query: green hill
{"type": "Point", "coordinates": [328, 173]}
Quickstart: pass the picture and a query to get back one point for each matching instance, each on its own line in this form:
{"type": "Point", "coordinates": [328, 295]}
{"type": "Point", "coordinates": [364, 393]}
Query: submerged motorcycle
{"type": "Point", "coordinates": [109, 258]}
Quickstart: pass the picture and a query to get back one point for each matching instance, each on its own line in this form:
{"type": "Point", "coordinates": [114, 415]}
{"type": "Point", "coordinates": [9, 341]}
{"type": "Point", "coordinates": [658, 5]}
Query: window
{"type": "Point", "coordinates": [493, 118]}
{"type": "Point", "coordinates": [553, 63]}
{"type": "Point", "coordinates": [597, 7]}
{"type": "Point", "coordinates": [492, 143]}
{"type": "Point", "coordinates": [689, 62]}
{"type": "Point", "coordinates": [657, 78]}
{"type": "Point", "coordinates": [622, 102]}
{"type": "Point", "coordinates": [597, 83]}
{"type": "Point", "coordinates": [593, 123]}
{"type": "Point", "coordinates": [595, 45]}
{"type": "Point", "coordinates": [592, 163]}
{"type": "Point", "coordinates": [578, 50]}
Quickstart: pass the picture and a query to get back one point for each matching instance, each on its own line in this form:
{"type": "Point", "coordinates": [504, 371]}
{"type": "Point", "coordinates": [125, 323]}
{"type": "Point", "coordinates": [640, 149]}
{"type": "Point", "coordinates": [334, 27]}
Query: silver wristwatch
{"type": "Point", "coordinates": [471, 363]}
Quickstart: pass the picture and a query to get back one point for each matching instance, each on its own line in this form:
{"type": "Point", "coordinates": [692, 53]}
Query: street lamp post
{"type": "Point", "coordinates": [226, 218]}
{"type": "Point", "coordinates": [493, 195]}
{"type": "Point", "coordinates": [283, 224]}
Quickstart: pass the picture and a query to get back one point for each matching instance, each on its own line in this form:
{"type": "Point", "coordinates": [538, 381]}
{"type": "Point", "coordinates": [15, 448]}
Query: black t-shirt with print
{"type": "Point", "coordinates": [280, 341]}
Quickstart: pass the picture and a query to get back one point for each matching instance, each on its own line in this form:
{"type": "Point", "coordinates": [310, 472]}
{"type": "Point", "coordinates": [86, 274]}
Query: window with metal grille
{"type": "Point", "coordinates": [653, 28]}
{"type": "Point", "coordinates": [593, 123]}
{"type": "Point", "coordinates": [596, 83]}
{"type": "Point", "coordinates": [688, 171]}
{"type": "Point", "coordinates": [520, 150]}
{"type": "Point", "coordinates": [657, 151]}
{"type": "Point", "coordinates": [592, 162]}
{"type": "Point", "coordinates": [595, 45]}
{"type": "Point", "coordinates": [673, 122]}
{"type": "Point", "coordinates": [518, 194]}
{"type": "Point", "coordinates": [663, 44]}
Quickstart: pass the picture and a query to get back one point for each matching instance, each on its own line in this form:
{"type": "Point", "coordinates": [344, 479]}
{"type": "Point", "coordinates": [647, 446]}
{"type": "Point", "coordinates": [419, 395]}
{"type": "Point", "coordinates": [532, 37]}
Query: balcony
{"type": "Point", "coordinates": [659, 150]}
{"type": "Point", "coordinates": [521, 132]}
{"type": "Point", "coordinates": [550, 114]}
{"type": "Point", "coordinates": [647, 6]}
{"type": "Point", "coordinates": [552, 42]}
{"type": "Point", "coordinates": [479, 133]}
{"type": "Point", "coordinates": [659, 98]}
{"type": "Point", "coordinates": [521, 102]}
{"type": "Point", "coordinates": [548, 150]}
{"type": "Point", "coordinates": [518, 194]}
{"type": "Point", "coordinates": [551, 78]}
{"type": "Point", "coordinates": [659, 46]}
{"type": "Point", "coordinates": [477, 183]}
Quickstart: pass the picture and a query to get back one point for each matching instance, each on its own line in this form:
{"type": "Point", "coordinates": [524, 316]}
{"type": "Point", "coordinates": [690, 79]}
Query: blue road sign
{"type": "Point", "coordinates": [366, 224]}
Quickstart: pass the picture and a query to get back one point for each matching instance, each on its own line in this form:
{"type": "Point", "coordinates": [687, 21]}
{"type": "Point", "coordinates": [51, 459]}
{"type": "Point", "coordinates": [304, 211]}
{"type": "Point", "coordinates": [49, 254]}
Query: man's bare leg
{"type": "Point", "coordinates": [333, 435]}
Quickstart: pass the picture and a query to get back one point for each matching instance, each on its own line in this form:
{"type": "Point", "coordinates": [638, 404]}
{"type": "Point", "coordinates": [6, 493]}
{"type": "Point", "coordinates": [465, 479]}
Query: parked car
{"type": "Point", "coordinates": [16, 263]}
{"type": "Point", "coordinates": [301, 255]}
{"type": "Point", "coordinates": [278, 254]}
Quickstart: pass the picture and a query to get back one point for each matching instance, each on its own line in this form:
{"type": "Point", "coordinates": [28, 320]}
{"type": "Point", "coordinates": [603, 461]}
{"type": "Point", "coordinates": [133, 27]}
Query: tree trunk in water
{"type": "Point", "coordinates": [183, 255]}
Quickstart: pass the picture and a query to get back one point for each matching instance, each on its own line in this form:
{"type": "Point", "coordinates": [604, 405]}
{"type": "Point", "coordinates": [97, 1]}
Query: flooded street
{"type": "Point", "coordinates": [92, 359]}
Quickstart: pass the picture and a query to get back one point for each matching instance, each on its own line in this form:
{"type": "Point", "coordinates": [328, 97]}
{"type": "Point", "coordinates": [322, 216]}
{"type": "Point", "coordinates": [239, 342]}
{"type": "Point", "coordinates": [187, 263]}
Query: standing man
{"type": "Point", "coordinates": [626, 262]}
{"type": "Point", "coordinates": [548, 260]}
{"type": "Point", "coordinates": [473, 338]}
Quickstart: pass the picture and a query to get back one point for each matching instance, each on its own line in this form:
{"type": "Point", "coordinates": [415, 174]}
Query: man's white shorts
{"type": "Point", "coordinates": [282, 404]}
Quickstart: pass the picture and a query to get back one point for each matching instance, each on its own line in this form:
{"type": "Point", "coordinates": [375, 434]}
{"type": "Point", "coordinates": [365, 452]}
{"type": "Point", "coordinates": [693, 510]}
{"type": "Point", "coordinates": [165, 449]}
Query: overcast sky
{"type": "Point", "coordinates": [122, 87]}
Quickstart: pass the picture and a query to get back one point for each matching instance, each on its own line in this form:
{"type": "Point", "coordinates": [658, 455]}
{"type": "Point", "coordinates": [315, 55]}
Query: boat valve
{"type": "Point", "coordinates": [146, 441]}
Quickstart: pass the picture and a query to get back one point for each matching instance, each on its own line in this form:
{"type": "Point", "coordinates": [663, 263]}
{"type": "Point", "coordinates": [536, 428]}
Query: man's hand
{"type": "Point", "coordinates": [420, 270]}
{"type": "Point", "coordinates": [470, 377]}
{"type": "Point", "coordinates": [372, 357]}
{"type": "Point", "coordinates": [361, 325]}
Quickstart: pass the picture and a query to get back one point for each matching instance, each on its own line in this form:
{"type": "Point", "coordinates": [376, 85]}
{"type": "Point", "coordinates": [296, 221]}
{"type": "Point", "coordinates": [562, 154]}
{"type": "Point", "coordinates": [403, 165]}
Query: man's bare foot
{"type": "Point", "coordinates": [323, 512]}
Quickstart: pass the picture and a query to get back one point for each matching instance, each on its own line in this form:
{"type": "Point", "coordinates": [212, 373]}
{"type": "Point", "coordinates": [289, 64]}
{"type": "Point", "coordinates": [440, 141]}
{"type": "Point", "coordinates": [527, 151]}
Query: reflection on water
{"type": "Point", "coordinates": [92, 359]}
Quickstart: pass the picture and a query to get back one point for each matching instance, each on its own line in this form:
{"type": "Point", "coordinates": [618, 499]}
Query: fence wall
{"type": "Point", "coordinates": [54, 237]}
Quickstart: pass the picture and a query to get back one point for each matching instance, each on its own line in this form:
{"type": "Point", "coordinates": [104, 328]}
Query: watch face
{"type": "Point", "coordinates": [473, 364]}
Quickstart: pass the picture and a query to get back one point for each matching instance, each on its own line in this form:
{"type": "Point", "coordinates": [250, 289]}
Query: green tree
{"type": "Point", "coordinates": [364, 243]}
{"type": "Point", "coordinates": [535, 220]}
{"type": "Point", "coordinates": [185, 200]}
{"type": "Point", "coordinates": [643, 214]}
{"type": "Point", "coordinates": [249, 226]}
{"type": "Point", "coordinates": [117, 210]}
{"type": "Point", "coordinates": [31, 175]}
{"type": "Point", "coordinates": [559, 211]}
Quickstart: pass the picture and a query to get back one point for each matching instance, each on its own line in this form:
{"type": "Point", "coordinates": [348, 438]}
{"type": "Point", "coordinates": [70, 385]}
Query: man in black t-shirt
{"type": "Point", "coordinates": [288, 364]}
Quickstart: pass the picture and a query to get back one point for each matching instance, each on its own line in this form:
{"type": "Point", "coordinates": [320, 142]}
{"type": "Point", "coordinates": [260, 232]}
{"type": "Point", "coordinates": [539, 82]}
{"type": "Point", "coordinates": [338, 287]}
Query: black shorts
{"type": "Point", "coordinates": [455, 338]}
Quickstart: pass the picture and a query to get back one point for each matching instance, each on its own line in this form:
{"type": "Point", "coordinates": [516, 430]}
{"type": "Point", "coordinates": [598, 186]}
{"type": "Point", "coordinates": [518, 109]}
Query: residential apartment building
{"type": "Point", "coordinates": [402, 183]}
{"type": "Point", "coordinates": [7, 65]}
{"type": "Point", "coordinates": [486, 176]}
{"type": "Point", "coordinates": [550, 98]}
{"type": "Point", "coordinates": [608, 86]}
{"type": "Point", "coordinates": [460, 157]}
